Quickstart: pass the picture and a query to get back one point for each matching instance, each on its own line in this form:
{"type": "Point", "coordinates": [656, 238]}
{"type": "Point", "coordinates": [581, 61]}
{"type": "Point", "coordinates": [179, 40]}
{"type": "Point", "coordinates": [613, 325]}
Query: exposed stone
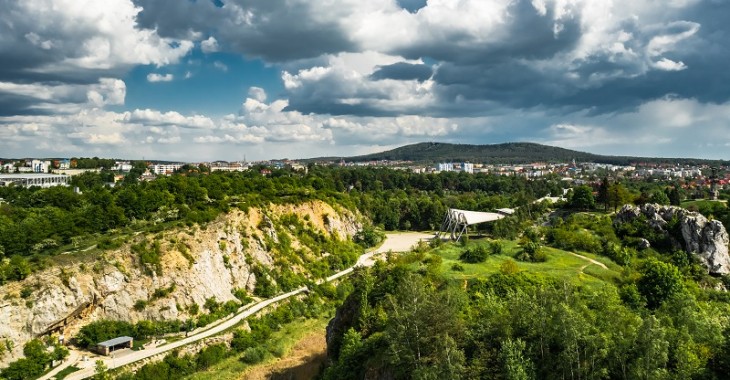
{"type": "Point", "coordinates": [706, 239]}
{"type": "Point", "coordinates": [644, 244]}
{"type": "Point", "coordinates": [194, 260]}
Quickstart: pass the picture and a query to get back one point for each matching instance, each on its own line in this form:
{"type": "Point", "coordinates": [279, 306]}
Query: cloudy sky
{"type": "Point", "coordinates": [223, 79]}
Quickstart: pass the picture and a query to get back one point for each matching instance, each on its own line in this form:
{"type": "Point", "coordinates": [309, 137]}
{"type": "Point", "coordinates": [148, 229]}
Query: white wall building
{"type": "Point", "coordinates": [445, 167]}
{"type": "Point", "coordinates": [467, 167]}
{"type": "Point", "coordinates": [160, 169]}
{"type": "Point", "coordinates": [29, 180]}
{"type": "Point", "coordinates": [40, 166]}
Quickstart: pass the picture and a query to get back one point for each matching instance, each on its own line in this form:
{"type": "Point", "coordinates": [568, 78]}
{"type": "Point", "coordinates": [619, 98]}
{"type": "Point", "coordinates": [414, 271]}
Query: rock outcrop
{"type": "Point", "coordinates": [197, 263]}
{"type": "Point", "coordinates": [707, 239]}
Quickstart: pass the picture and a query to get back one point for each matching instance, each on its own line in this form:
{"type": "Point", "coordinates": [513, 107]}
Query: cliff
{"type": "Point", "coordinates": [195, 263]}
{"type": "Point", "coordinates": [706, 239]}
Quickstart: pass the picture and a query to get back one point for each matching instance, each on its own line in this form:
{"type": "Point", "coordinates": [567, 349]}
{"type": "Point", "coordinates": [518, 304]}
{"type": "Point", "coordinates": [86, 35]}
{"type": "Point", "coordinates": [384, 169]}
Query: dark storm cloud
{"type": "Point", "coordinates": [276, 31]}
{"type": "Point", "coordinates": [603, 82]}
{"type": "Point", "coordinates": [403, 71]}
{"type": "Point", "coordinates": [528, 35]}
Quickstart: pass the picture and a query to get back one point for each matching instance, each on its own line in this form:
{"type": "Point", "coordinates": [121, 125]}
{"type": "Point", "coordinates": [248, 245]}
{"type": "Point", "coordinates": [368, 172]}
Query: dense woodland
{"type": "Point", "coordinates": [506, 153]}
{"type": "Point", "coordinates": [654, 314]}
{"type": "Point", "coordinates": [37, 223]}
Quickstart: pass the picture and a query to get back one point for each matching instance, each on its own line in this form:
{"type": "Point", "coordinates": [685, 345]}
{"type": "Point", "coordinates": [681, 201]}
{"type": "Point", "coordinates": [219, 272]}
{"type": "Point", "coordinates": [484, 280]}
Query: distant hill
{"type": "Point", "coordinates": [507, 153]}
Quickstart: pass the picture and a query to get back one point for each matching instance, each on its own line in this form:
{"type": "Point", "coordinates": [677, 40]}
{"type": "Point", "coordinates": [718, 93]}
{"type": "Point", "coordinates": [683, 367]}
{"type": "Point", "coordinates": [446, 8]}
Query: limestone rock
{"type": "Point", "coordinates": [708, 240]}
{"type": "Point", "coordinates": [197, 263]}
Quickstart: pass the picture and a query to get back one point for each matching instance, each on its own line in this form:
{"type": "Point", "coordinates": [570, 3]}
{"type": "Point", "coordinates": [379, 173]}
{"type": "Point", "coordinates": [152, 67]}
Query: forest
{"type": "Point", "coordinates": [39, 223]}
{"type": "Point", "coordinates": [510, 301]}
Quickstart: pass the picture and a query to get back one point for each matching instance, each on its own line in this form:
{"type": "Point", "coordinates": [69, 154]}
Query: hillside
{"type": "Point", "coordinates": [507, 153]}
{"type": "Point", "coordinates": [173, 274]}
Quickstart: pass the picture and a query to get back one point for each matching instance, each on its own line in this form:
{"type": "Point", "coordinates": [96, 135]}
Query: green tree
{"type": "Point", "coordinates": [658, 282]}
{"type": "Point", "coordinates": [618, 196]}
{"type": "Point", "coordinates": [582, 198]}
{"type": "Point", "coordinates": [515, 364]}
{"type": "Point", "coordinates": [101, 371]}
{"type": "Point", "coordinates": [659, 197]}
{"type": "Point", "coordinates": [603, 193]}
{"type": "Point", "coordinates": [674, 197]}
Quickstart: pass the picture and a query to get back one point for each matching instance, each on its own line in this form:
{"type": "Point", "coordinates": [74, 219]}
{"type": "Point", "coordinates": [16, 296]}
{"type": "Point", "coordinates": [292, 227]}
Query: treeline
{"type": "Point", "coordinates": [508, 153]}
{"type": "Point", "coordinates": [36, 222]}
{"type": "Point", "coordinates": [402, 323]}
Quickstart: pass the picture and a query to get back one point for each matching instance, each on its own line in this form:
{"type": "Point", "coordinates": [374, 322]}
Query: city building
{"type": "Point", "coordinates": [29, 180]}
{"type": "Point", "coordinates": [161, 169]}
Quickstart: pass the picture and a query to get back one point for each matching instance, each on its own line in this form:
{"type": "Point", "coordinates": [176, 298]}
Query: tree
{"type": "Point", "coordinates": [582, 198]}
{"type": "Point", "coordinates": [603, 193]}
{"type": "Point", "coordinates": [101, 371]}
{"type": "Point", "coordinates": [515, 364]}
{"type": "Point", "coordinates": [658, 282]}
{"type": "Point", "coordinates": [674, 197]}
{"type": "Point", "coordinates": [618, 196]}
{"type": "Point", "coordinates": [659, 197]}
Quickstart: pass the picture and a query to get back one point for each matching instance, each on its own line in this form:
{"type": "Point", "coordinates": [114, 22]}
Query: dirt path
{"type": "Point", "coordinates": [302, 363]}
{"type": "Point", "coordinates": [591, 261]}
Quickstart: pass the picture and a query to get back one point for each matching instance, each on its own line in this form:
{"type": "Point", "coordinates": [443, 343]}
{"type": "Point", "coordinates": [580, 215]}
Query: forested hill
{"type": "Point", "coordinates": [507, 153]}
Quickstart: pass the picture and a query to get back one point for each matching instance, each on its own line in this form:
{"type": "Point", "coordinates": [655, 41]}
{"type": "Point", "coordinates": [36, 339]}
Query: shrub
{"type": "Point", "coordinates": [254, 355]}
{"type": "Point", "coordinates": [509, 267]}
{"type": "Point", "coordinates": [477, 254]}
{"type": "Point", "coordinates": [495, 248]}
{"type": "Point", "coordinates": [242, 295]}
{"type": "Point", "coordinates": [140, 305]}
{"type": "Point", "coordinates": [457, 267]}
{"type": "Point", "coordinates": [26, 292]}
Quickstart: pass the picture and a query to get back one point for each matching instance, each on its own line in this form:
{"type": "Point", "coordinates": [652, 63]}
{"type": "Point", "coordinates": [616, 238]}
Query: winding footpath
{"type": "Point", "coordinates": [395, 242]}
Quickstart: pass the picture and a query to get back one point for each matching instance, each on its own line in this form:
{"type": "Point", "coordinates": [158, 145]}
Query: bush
{"type": "Point", "coordinates": [474, 255]}
{"type": "Point", "coordinates": [140, 305]}
{"type": "Point", "coordinates": [254, 355]}
{"type": "Point", "coordinates": [457, 267]}
{"type": "Point", "coordinates": [532, 252]}
{"type": "Point", "coordinates": [495, 248]}
{"type": "Point", "coordinates": [242, 295]}
{"type": "Point", "coordinates": [211, 355]}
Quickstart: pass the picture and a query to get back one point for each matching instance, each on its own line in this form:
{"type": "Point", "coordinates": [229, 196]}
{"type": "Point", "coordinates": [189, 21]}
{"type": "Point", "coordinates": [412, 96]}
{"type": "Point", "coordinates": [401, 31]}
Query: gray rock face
{"type": "Point", "coordinates": [706, 239]}
{"type": "Point", "coordinates": [198, 263]}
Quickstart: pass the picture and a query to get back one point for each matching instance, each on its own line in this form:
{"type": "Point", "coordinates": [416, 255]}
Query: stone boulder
{"type": "Point", "coordinates": [706, 239]}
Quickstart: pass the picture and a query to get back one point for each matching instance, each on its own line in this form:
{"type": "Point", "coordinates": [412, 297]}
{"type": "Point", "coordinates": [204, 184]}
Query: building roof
{"type": "Point", "coordinates": [476, 217]}
{"type": "Point", "coordinates": [29, 175]}
{"type": "Point", "coordinates": [506, 211]}
{"type": "Point", "coordinates": [116, 341]}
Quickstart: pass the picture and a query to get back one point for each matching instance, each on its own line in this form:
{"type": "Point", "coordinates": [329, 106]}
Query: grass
{"type": "Point", "coordinates": [66, 371]}
{"type": "Point", "coordinates": [560, 264]}
{"type": "Point", "coordinates": [281, 342]}
{"type": "Point", "coordinates": [700, 203]}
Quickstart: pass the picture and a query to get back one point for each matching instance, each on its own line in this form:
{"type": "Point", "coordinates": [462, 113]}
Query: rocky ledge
{"type": "Point", "coordinates": [706, 239]}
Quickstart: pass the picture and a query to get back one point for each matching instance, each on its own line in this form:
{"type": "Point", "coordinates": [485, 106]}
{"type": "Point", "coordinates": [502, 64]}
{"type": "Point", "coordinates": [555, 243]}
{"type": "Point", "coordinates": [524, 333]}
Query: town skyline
{"type": "Point", "coordinates": [220, 80]}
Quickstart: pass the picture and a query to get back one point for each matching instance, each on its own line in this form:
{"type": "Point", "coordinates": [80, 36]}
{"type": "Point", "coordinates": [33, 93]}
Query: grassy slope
{"type": "Point", "coordinates": [281, 341]}
{"type": "Point", "coordinates": [560, 264]}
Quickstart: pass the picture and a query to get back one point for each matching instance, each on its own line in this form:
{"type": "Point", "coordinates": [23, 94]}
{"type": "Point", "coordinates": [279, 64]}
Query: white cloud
{"type": "Point", "coordinates": [257, 93]}
{"type": "Point", "coordinates": [220, 66]}
{"type": "Point", "coordinates": [210, 45]}
{"type": "Point", "coordinates": [154, 117]}
{"type": "Point", "coordinates": [155, 77]}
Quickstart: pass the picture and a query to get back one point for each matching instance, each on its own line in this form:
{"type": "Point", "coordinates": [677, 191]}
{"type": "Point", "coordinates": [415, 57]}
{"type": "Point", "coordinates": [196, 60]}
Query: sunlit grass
{"type": "Point", "coordinates": [560, 264]}
{"type": "Point", "coordinates": [281, 342]}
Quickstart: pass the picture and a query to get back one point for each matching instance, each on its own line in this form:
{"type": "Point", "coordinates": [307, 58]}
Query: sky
{"type": "Point", "coordinates": [201, 80]}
